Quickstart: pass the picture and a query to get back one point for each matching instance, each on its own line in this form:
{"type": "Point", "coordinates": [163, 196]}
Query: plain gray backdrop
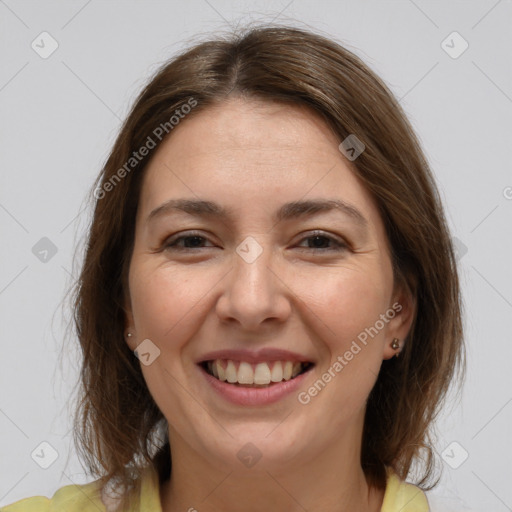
{"type": "Point", "coordinates": [449, 63]}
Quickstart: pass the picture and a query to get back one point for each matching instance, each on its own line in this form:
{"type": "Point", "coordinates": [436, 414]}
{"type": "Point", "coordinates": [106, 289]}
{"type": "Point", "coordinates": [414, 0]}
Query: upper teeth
{"type": "Point", "coordinates": [260, 373]}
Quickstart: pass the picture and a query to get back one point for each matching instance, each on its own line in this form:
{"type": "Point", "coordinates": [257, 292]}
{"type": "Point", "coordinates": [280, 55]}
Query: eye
{"type": "Point", "coordinates": [191, 240]}
{"type": "Point", "coordinates": [316, 241]}
{"type": "Point", "coordinates": [319, 241]}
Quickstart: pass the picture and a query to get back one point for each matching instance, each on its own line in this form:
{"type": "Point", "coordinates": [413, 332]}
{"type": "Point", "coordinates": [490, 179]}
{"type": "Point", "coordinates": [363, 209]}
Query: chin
{"type": "Point", "coordinates": [259, 446]}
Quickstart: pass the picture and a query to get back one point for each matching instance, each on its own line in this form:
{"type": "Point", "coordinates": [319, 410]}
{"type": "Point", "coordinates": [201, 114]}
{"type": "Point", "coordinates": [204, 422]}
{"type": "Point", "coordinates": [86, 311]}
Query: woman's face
{"type": "Point", "coordinates": [271, 279]}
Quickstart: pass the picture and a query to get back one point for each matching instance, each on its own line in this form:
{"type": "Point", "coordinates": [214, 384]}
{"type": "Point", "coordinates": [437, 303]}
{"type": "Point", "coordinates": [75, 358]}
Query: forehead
{"type": "Point", "coordinates": [253, 131]}
{"type": "Point", "coordinates": [249, 154]}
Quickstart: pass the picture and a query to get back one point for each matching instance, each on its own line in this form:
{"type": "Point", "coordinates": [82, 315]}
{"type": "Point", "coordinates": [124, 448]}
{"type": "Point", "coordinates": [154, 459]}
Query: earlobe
{"type": "Point", "coordinates": [129, 330]}
{"type": "Point", "coordinates": [404, 306]}
{"type": "Point", "coordinates": [130, 340]}
{"type": "Point", "coordinates": [393, 348]}
{"type": "Point", "coordinates": [395, 345]}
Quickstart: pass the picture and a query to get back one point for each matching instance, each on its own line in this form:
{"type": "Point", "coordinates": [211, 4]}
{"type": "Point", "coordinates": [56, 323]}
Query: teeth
{"type": "Point", "coordinates": [277, 373]}
{"type": "Point", "coordinates": [220, 371]}
{"type": "Point", "coordinates": [231, 375]}
{"type": "Point", "coordinates": [261, 374]}
{"type": "Point", "coordinates": [213, 368]}
{"type": "Point", "coordinates": [245, 373]}
{"type": "Point", "coordinates": [287, 371]}
{"type": "Point", "coordinates": [297, 368]}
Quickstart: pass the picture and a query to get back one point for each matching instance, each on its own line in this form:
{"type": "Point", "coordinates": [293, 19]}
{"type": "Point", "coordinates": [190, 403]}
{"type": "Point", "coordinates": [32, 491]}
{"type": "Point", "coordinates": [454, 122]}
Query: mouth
{"type": "Point", "coordinates": [263, 374]}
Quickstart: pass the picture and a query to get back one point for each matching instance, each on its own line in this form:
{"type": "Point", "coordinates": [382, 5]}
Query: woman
{"type": "Point", "coordinates": [267, 237]}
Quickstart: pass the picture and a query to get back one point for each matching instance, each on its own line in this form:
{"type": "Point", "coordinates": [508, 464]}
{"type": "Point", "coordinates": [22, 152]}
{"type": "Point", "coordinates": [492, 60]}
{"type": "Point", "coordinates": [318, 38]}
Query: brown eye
{"type": "Point", "coordinates": [190, 241]}
{"type": "Point", "coordinates": [321, 241]}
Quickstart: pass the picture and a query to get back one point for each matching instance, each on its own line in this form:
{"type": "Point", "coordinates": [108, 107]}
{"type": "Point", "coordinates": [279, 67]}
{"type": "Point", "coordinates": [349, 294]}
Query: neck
{"type": "Point", "coordinates": [331, 481]}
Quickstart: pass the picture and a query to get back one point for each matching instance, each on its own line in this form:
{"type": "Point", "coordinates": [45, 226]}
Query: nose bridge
{"type": "Point", "coordinates": [253, 293]}
{"type": "Point", "coordinates": [254, 258]}
{"type": "Point", "coordinates": [251, 268]}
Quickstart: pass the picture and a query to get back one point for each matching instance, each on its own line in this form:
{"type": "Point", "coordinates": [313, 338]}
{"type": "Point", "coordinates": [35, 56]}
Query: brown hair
{"type": "Point", "coordinates": [117, 420]}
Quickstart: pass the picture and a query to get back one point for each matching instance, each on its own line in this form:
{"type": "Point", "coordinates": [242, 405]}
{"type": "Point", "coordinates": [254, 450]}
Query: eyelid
{"type": "Point", "coordinates": [166, 243]}
{"type": "Point", "coordinates": [340, 243]}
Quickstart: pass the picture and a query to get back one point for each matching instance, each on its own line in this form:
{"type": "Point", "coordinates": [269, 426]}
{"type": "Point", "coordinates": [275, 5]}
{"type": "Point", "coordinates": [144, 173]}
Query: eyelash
{"type": "Point", "coordinates": [170, 244]}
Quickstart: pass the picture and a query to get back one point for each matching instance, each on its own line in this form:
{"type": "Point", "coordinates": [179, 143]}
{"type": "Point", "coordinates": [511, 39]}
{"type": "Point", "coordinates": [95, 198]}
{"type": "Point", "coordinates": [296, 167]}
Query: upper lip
{"type": "Point", "coordinates": [255, 356]}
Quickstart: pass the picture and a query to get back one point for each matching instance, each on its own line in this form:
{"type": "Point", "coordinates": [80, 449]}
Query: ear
{"type": "Point", "coordinates": [403, 304]}
{"type": "Point", "coordinates": [129, 324]}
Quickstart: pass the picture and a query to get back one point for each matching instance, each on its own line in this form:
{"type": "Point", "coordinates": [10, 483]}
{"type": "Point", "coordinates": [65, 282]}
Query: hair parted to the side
{"type": "Point", "coordinates": [116, 418]}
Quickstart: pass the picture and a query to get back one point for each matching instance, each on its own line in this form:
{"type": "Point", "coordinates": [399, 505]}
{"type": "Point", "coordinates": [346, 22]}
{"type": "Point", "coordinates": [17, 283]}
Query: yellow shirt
{"type": "Point", "coordinates": [398, 497]}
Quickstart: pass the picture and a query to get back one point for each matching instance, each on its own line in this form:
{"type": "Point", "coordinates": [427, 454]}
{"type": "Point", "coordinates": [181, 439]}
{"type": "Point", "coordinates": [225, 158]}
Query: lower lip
{"type": "Point", "coordinates": [254, 396]}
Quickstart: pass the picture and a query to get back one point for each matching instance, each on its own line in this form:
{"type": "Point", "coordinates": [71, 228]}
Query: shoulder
{"type": "Point", "coordinates": [70, 498]}
{"type": "Point", "coordinates": [402, 496]}
{"type": "Point", "coordinates": [89, 498]}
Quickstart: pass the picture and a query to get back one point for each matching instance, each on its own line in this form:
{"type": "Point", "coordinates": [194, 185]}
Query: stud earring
{"type": "Point", "coordinates": [395, 344]}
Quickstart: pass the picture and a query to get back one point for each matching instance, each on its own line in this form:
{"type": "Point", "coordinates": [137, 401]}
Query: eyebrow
{"type": "Point", "coordinates": [288, 211]}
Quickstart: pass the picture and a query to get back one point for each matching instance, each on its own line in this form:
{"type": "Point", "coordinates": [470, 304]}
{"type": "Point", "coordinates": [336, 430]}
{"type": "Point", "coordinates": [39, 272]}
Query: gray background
{"type": "Point", "coordinates": [59, 118]}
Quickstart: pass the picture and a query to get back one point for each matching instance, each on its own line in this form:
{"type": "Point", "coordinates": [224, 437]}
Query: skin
{"type": "Point", "coordinates": [253, 156]}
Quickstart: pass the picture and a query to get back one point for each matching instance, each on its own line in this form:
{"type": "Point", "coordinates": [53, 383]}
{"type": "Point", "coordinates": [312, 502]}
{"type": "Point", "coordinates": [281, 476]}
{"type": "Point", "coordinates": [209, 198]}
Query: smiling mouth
{"type": "Point", "coordinates": [254, 375]}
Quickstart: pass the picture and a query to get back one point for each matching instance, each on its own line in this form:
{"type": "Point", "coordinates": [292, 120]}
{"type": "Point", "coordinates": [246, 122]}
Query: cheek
{"type": "Point", "coordinates": [351, 305]}
{"type": "Point", "coordinates": [163, 298]}
{"type": "Point", "coordinates": [347, 300]}
{"type": "Point", "coordinates": [165, 305]}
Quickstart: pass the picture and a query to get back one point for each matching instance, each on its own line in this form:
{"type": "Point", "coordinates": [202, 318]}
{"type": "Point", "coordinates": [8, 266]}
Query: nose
{"type": "Point", "coordinates": [254, 293]}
